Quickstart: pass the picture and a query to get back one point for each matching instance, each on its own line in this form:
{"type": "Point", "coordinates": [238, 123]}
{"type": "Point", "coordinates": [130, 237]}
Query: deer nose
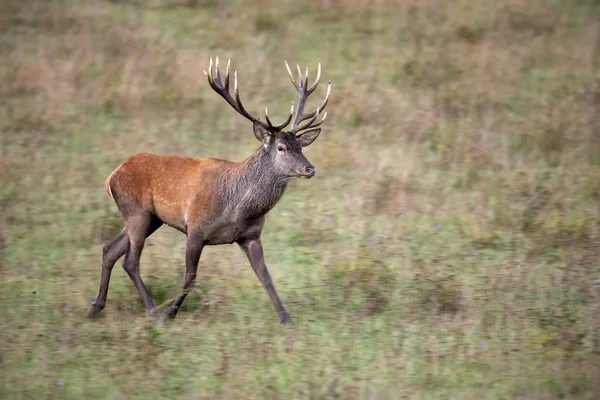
{"type": "Point", "coordinates": [310, 170]}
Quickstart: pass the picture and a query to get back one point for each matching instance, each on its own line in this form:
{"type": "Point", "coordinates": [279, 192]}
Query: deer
{"type": "Point", "coordinates": [212, 201]}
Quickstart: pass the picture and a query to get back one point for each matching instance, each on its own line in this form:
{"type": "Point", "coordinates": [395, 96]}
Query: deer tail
{"type": "Point", "coordinates": [107, 183]}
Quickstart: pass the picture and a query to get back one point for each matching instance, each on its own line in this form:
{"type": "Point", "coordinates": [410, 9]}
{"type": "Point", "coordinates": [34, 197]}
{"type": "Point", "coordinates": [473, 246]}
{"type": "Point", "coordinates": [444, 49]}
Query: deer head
{"type": "Point", "coordinates": [282, 147]}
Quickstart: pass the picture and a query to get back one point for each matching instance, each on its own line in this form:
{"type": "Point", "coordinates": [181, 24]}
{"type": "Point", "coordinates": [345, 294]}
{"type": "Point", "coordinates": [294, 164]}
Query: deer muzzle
{"type": "Point", "coordinates": [307, 172]}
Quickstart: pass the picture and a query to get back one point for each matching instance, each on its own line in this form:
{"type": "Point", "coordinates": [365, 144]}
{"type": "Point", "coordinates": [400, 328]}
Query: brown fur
{"type": "Point", "coordinates": [178, 190]}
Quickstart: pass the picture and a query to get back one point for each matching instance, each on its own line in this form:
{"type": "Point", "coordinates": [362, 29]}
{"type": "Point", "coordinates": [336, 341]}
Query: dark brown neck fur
{"type": "Point", "coordinates": [252, 187]}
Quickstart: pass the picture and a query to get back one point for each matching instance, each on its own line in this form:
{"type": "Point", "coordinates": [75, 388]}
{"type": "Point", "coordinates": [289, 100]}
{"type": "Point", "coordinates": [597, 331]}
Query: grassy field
{"type": "Point", "coordinates": [449, 246]}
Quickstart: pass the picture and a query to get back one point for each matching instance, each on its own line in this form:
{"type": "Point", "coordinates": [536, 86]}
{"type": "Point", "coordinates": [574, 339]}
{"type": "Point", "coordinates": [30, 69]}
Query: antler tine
{"type": "Point", "coordinates": [217, 69]}
{"type": "Point", "coordinates": [227, 75]}
{"type": "Point", "coordinates": [316, 82]}
{"type": "Point", "coordinates": [306, 78]}
{"type": "Point", "coordinates": [300, 79]}
{"type": "Point", "coordinates": [321, 121]}
{"type": "Point", "coordinates": [209, 73]}
{"type": "Point", "coordinates": [236, 93]}
{"type": "Point", "coordinates": [284, 123]}
{"type": "Point", "coordinates": [303, 92]}
{"type": "Point", "coordinates": [287, 120]}
{"type": "Point", "coordinates": [290, 74]}
{"type": "Point", "coordinates": [218, 74]}
{"type": "Point", "coordinates": [210, 79]}
{"type": "Point", "coordinates": [311, 123]}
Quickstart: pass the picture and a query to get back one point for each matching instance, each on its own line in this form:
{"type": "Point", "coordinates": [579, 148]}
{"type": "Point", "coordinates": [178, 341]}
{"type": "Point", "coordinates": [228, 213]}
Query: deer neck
{"type": "Point", "coordinates": [255, 187]}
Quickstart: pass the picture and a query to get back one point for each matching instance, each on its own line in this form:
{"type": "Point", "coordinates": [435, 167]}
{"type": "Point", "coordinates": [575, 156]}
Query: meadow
{"type": "Point", "coordinates": [449, 246]}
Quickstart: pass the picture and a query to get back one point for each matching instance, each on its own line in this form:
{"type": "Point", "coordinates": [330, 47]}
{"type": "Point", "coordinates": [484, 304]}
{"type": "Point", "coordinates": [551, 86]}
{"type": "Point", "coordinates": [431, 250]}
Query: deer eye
{"type": "Point", "coordinates": [280, 148]}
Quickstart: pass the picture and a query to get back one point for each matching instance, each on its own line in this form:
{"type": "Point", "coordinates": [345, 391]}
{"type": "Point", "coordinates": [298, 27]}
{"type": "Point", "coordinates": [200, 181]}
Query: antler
{"type": "Point", "coordinates": [303, 93]}
{"type": "Point", "coordinates": [223, 90]}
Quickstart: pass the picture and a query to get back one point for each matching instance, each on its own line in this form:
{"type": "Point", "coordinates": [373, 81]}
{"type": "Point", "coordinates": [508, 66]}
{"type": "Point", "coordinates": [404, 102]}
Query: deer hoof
{"type": "Point", "coordinates": [171, 312]}
{"type": "Point", "coordinates": [94, 309]}
{"type": "Point", "coordinates": [285, 319]}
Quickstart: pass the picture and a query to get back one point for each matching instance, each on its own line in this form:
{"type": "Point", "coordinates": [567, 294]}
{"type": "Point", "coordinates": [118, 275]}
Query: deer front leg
{"type": "Point", "coordinates": [254, 251]}
{"type": "Point", "coordinates": [192, 257]}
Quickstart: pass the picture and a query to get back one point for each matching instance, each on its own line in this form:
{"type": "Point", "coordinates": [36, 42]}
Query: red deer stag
{"type": "Point", "coordinates": [212, 201]}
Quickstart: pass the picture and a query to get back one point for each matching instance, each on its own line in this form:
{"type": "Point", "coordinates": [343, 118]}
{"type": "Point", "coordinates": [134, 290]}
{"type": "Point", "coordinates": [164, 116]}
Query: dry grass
{"type": "Point", "coordinates": [448, 248]}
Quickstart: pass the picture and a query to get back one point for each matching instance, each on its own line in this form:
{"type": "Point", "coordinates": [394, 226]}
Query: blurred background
{"type": "Point", "coordinates": [447, 248]}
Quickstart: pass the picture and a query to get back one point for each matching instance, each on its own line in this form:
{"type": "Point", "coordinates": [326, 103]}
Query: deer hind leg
{"type": "Point", "coordinates": [111, 253]}
{"type": "Point", "coordinates": [138, 228]}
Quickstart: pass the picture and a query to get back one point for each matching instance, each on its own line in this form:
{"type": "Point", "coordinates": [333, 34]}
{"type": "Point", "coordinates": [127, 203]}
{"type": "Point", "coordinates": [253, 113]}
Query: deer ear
{"type": "Point", "coordinates": [261, 133]}
{"type": "Point", "coordinates": [306, 138]}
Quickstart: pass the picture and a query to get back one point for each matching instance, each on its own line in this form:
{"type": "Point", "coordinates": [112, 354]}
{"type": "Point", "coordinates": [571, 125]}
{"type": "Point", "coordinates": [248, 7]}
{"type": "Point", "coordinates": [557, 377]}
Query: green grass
{"type": "Point", "coordinates": [448, 247]}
